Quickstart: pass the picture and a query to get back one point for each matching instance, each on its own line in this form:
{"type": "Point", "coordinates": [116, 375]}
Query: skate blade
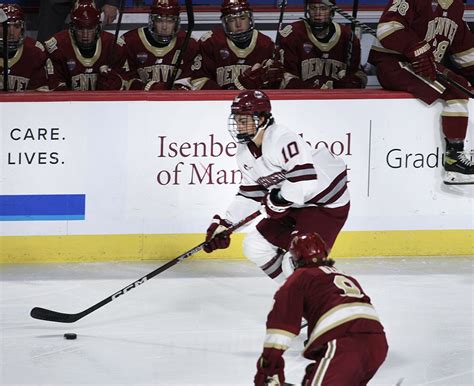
{"type": "Point", "coordinates": [453, 178]}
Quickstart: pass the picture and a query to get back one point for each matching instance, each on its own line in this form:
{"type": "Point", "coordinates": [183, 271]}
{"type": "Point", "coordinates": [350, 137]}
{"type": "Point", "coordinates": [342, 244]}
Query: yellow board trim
{"type": "Point", "coordinates": [92, 248]}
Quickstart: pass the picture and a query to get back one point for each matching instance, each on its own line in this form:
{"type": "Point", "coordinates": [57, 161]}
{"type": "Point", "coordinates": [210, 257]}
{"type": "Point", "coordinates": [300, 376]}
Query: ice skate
{"type": "Point", "coordinates": [459, 169]}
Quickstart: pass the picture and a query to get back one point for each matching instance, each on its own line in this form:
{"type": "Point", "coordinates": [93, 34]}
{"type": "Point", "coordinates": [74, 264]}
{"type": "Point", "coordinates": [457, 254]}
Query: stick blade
{"type": "Point", "coordinates": [53, 316]}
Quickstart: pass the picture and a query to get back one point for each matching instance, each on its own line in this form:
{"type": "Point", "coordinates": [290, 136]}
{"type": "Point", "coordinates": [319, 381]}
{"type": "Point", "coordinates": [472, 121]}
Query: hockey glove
{"type": "Point", "coordinates": [215, 238]}
{"type": "Point", "coordinates": [156, 86]}
{"type": "Point", "coordinates": [274, 73]}
{"type": "Point", "coordinates": [109, 79]}
{"type": "Point", "coordinates": [349, 81]}
{"type": "Point", "coordinates": [252, 78]}
{"type": "Point", "coordinates": [421, 57]}
{"type": "Point", "coordinates": [275, 205]}
{"type": "Point", "coordinates": [270, 368]}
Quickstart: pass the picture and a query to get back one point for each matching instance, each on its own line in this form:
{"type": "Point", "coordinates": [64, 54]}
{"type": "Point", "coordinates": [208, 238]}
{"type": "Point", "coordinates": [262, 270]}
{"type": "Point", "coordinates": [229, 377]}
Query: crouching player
{"type": "Point", "coordinates": [346, 342]}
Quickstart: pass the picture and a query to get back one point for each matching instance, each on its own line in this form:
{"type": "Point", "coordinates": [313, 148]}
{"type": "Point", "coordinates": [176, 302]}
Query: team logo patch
{"type": "Point", "coordinates": [307, 47]}
{"type": "Point", "coordinates": [142, 57]}
{"type": "Point", "coordinates": [224, 53]}
{"type": "Point", "coordinates": [71, 64]}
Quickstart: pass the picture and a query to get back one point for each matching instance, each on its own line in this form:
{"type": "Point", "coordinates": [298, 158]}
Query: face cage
{"type": "Point", "coordinates": [81, 45]}
{"type": "Point", "coordinates": [243, 138]}
{"type": "Point", "coordinates": [162, 39]}
{"type": "Point", "coordinates": [11, 44]}
{"type": "Point", "coordinates": [239, 37]}
{"type": "Point", "coordinates": [317, 26]}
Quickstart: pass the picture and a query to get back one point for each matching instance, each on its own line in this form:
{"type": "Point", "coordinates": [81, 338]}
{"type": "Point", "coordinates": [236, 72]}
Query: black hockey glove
{"type": "Point", "coordinates": [275, 205]}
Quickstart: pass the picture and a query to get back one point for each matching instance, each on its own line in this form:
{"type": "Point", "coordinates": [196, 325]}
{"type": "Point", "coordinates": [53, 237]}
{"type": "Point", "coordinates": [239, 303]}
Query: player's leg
{"type": "Point", "coordinates": [454, 117]}
{"type": "Point", "coordinates": [265, 255]}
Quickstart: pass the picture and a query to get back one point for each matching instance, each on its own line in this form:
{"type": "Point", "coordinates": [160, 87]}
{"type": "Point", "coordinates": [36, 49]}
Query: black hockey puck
{"type": "Point", "coordinates": [70, 335]}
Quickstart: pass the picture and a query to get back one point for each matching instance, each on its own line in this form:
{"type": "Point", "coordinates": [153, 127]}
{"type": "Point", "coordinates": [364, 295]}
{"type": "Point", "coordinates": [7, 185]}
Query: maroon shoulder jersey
{"type": "Point", "coordinates": [404, 24]}
{"type": "Point", "coordinates": [27, 67]}
{"type": "Point", "coordinates": [332, 302]}
{"type": "Point", "coordinates": [149, 63]}
{"type": "Point", "coordinates": [76, 72]}
{"type": "Point", "coordinates": [314, 62]}
{"type": "Point", "coordinates": [223, 61]}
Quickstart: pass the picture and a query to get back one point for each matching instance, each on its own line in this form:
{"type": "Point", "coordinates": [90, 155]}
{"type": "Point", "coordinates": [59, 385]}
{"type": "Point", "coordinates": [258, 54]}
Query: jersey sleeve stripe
{"type": "Point", "coordinates": [252, 192]}
{"type": "Point", "coordinates": [339, 315]}
{"type": "Point", "coordinates": [279, 339]}
{"type": "Point", "coordinates": [335, 189]}
{"type": "Point", "coordinates": [302, 173]}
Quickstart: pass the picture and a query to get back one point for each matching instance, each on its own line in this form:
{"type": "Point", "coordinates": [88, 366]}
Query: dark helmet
{"type": "Point", "coordinates": [251, 102]}
{"type": "Point", "coordinates": [255, 104]}
{"type": "Point", "coordinates": [15, 16]}
{"type": "Point", "coordinates": [308, 249]}
{"type": "Point", "coordinates": [235, 8]}
{"type": "Point", "coordinates": [85, 15]}
{"type": "Point", "coordinates": [320, 25]}
{"type": "Point", "coordinates": [160, 9]}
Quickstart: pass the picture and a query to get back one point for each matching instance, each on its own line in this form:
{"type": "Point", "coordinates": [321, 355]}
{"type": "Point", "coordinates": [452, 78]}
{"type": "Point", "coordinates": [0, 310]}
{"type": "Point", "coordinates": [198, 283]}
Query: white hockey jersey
{"type": "Point", "coordinates": [285, 161]}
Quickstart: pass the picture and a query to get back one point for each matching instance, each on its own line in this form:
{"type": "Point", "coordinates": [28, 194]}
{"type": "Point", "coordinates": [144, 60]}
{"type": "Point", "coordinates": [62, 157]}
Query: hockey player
{"type": "Point", "coordinates": [320, 53]}
{"type": "Point", "coordinates": [300, 189]}
{"type": "Point", "coordinates": [414, 37]}
{"type": "Point", "coordinates": [84, 57]}
{"type": "Point", "coordinates": [347, 342]}
{"type": "Point", "coordinates": [152, 50]}
{"type": "Point", "coordinates": [236, 55]}
{"type": "Point", "coordinates": [27, 59]}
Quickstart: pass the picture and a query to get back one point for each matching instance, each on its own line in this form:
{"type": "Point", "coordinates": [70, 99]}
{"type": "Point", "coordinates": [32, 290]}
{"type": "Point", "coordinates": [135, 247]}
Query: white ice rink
{"type": "Point", "coordinates": [203, 322]}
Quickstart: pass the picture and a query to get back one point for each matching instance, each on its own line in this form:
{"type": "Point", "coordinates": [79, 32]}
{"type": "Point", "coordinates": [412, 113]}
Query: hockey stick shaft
{"type": "Point", "coordinates": [4, 21]}
{"type": "Point", "coordinates": [53, 316]}
{"type": "Point", "coordinates": [184, 47]}
{"type": "Point", "coordinates": [280, 22]}
{"type": "Point", "coordinates": [350, 48]}
{"type": "Point", "coordinates": [440, 76]}
{"type": "Point", "coordinates": [353, 20]}
{"type": "Point", "coordinates": [116, 36]}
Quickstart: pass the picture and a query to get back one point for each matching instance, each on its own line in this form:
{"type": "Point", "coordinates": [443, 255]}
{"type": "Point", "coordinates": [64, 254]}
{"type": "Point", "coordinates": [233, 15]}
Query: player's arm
{"type": "Point", "coordinates": [58, 77]}
{"type": "Point", "coordinates": [462, 52]}
{"type": "Point", "coordinates": [204, 77]}
{"type": "Point", "coordinates": [192, 62]}
{"type": "Point", "coordinates": [283, 324]}
{"type": "Point", "coordinates": [354, 76]}
{"type": "Point", "coordinates": [290, 60]}
{"type": "Point", "coordinates": [39, 75]}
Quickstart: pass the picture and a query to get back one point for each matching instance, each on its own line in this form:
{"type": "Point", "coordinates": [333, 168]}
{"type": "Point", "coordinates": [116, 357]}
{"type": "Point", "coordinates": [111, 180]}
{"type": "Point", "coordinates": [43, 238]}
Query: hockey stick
{"type": "Point", "coordinates": [4, 21]}
{"type": "Point", "coordinates": [353, 20]}
{"type": "Point", "coordinates": [117, 31]}
{"type": "Point", "coordinates": [440, 76]}
{"type": "Point", "coordinates": [177, 64]}
{"type": "Point", "coordinates": [282, 6]}
{"type": "Point", "coordinates": [350, 48]}
{"type": "Point", "coordinates": [53, 316]}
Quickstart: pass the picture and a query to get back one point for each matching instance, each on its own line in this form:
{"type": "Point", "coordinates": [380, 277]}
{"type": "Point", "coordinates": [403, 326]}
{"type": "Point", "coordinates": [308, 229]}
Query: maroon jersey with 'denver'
{"type": "Point", "coordinates": [223, 61]}
{"type": "Point", "coordinates": [27, 68]}
{"type": "Point", "coordinates": [441, 24]}
{"type": "Point", "coordinates": [149, 63]}
{"type": "Point", "coordinates": [73, 70]}
{"type": "Point", "coordinates": [313, 61]}
{"type": "Point", "coordinates": [332, 302]}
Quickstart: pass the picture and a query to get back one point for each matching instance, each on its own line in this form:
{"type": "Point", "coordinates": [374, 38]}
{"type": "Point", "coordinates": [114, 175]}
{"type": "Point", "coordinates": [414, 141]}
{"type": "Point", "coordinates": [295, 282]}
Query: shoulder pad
{"type": "Point", "coordinates": [285, 32]}
{"type": "Point", "coordinates": [51, 45]}
{"type": "Point", "coordinates": [206, 36]}
{"type": "Point", "coordinates": [39, 45]}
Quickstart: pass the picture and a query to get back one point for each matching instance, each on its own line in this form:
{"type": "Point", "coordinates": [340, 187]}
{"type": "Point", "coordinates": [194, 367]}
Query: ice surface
{"type": "Point", "coordinates": [202, 322]}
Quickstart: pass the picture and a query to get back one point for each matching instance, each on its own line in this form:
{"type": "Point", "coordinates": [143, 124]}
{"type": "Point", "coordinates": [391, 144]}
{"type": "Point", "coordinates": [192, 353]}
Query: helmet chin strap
{"type": "Point", "coordinates": [261, 129]}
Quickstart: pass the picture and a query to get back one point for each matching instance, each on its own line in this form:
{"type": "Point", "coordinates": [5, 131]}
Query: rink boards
{"type": "Point", "coordinates": [105, 177]}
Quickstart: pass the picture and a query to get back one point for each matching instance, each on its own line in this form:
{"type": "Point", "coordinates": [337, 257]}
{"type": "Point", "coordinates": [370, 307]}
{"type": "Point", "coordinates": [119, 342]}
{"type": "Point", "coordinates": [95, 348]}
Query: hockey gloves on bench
{"type": "Point", "coordinates": [275, 205]}
{"type": "Point", "coordinates": [214, 237]}
{"type": "Point", "coordinates": [422, 59]}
